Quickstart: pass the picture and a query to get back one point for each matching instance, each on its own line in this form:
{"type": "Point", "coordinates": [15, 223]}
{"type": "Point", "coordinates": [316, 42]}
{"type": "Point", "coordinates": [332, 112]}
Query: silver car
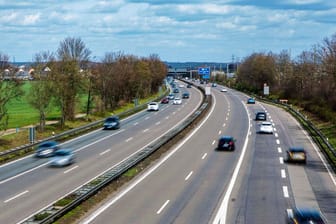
{"type": "Point", "coordinates": [62, 157]}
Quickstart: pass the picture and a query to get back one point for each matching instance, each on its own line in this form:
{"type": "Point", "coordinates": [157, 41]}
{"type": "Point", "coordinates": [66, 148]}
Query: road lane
{"type": "Point", "coordinates": [45, 185]}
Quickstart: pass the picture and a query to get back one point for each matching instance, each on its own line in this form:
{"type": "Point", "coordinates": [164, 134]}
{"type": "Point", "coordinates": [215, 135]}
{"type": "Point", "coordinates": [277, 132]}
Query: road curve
{"type": "Point", "coordinates": [29, 185]}
{"type": "Point", "coordinates": [192, 184]}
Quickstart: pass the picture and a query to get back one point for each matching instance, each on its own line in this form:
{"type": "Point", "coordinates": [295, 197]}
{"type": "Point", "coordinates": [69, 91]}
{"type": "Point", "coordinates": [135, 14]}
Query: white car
{"type": "Point", "coordinates": [153, 106]}
{"type": "Point", "coordinates": [266, 127]}
{"type": "Point", "coordinates": [181, 85]}
{"type": "Point", "coordinates": [177, 101]}
{"type": "Point", "coordinates": [223, 90]}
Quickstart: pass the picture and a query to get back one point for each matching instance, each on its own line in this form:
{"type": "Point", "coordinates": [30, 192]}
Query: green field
{"type": "Point", "coordinates": [21, 113]}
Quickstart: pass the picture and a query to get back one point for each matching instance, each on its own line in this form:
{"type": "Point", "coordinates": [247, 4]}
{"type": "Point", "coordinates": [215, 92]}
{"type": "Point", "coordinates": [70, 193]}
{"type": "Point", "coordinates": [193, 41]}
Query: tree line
{"type": "Point", "coordinates": [309, 80]}
{"type": "Point", "coordinates": [61, 77]}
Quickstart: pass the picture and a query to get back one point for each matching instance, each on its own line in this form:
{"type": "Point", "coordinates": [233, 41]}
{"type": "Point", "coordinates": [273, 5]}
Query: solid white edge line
{"type": "Point", "coordinates": [151, 170]}
{"type": "Point", "coordinates": [189, 175]}
{"type": "Point", "coordinates": [162, 207]}
{"type": "Point", "coordinates": [222, 212]}
{"type": "Point", "coordinates": [16, 196]}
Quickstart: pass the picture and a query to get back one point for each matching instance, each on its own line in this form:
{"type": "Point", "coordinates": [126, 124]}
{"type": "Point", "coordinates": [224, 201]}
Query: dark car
{"type": "Point", "coordinates": [47, 149]}
{"type": "Point", "coordinates": [112, 122]}
{"type": "Point", "coordinates": [185, 95]}
{"type": "Point", "coordinates": [189, 86]}
{"type": "Point", "coordinates": [176, 90]}
{"type": "Point", "coordinates": [305, 216]}
{"type": "Point", "coordinates": [250, 101]}
{"type": "Point", "coordinates": [226, 143]}
{"type": "Point", "coordinates": [296, 154]}
{"type": "Point", "coordinates": [165, 100]}
{"type": "Point", "coordinates": [261, 116]}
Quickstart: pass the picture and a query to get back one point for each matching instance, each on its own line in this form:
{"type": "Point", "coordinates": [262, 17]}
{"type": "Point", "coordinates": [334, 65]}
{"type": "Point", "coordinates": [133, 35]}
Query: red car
{"type": "Point", "coordinates": [165, 100]}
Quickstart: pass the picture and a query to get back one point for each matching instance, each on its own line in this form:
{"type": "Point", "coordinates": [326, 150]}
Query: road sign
{"type": "Point", "coordinates": [205, 72]}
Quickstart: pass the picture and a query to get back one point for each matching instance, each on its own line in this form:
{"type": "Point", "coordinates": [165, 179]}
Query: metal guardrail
{"type": "Point", "coordinates": [318, 137]}
{"type": "Point", "coordinates": [78, 130]}
{"type": "Point", "coordinates": [54, 212]}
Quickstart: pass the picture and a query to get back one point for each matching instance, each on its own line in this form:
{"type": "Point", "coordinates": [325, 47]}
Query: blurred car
{"type": "Point", "coordinates": [177, 101]}
{"type": "Point", "coordinates": [266, 127]}
{"type": "Point", "coordinates": [185, 95]}
{"type": "Point", "coordinates": [226, 143]}
{"type": "Point", "coordinates": [153, 106]}
{"type": "Point", "coordinates": [189, 86]}
{"type": "Point", "coordinates": [176, 90]}
{"type": "Point", "coordinates": [62, 157]}
{"type": "Point", "coordinates": [165, 100]}
{"type": "Point", "coordinates": [181, 85]}
{"type": "Point", "coordinates": [112, 122]}
{"type": "Point", "coordinates": [214, 85]}
{"type": "Point", "coordinates": [224, 90]}
{"type": "Point", "coordinates": [171, 96]}
{"type": "Point", "coordinates": [251, 101]}
{"type": "Point", "coordinates": [305, 216]}
{"type": "Point", "coordinates": [296, 154]}
{"type": "Point", "coordinates": [261, 116]}
{"type": "Point", "coordinates": [47, 149]}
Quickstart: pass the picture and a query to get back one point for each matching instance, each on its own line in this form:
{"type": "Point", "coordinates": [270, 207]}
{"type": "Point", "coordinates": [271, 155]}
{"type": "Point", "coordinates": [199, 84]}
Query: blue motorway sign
{"type": "Point", "coordinates": [205, 72]}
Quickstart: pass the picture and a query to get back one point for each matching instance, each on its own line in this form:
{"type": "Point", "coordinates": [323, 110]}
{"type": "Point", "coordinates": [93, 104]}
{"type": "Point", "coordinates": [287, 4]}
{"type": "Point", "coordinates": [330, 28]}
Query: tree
{"type": "Point", "coordinates": [68, 75]}
{"type": "Point", "coordinates": [40, 95]}
{"type": "Point", "coordinates": [9, 90]}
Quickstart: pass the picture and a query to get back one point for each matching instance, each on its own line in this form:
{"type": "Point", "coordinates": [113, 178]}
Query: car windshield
{"type": "Point", "coordinates": [111, 119]}
{"type": "Point", "coordinates": [47, 144]}
{"type": "Point", "coordinates": [62, 153]}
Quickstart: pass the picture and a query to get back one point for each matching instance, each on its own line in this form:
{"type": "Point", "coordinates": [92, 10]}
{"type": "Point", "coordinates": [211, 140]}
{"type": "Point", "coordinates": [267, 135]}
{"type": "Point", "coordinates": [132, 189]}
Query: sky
{"type": "Point", "coordinates": [175, 30]}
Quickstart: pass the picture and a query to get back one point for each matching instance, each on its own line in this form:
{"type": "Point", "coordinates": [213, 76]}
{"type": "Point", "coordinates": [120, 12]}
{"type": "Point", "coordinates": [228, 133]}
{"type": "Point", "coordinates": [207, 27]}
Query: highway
{"type": "Point", "coordinates": [194, 183]}
{"type": "Point", "coordinates": [29, 185]}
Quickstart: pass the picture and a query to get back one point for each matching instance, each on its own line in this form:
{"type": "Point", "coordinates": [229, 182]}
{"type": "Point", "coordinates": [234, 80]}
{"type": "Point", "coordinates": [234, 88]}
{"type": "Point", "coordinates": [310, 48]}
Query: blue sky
{"type": "Point", "coordinates": [175, 30]}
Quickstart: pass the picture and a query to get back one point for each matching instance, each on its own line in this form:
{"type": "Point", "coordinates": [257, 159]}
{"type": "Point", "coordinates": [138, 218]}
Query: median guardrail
{"type": "Point", "coordinates": [73, 199]}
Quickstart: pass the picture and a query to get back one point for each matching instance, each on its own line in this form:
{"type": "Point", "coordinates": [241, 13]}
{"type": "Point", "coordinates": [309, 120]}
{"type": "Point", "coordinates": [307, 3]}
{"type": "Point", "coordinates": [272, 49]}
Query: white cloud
{"type": "Point", "coordinates": [31, 19]}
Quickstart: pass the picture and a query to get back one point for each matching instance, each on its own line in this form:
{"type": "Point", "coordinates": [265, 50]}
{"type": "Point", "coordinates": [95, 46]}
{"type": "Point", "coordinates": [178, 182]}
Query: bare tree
{"type": "Point", "coordinates": [9, 90]}
{"type": "Point", "coordinates": [73, 58]}
{"type": "Point", "coordinates": [41, 94]}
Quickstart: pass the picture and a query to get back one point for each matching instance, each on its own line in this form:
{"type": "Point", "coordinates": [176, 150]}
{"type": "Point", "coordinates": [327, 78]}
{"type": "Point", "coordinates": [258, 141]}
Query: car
{"type": "Point", "coordinates": [305, 216]}
{"type": "Point", "coordinates": [181, 85]}
{"type": "Point", "coordinates": [189, 86]}
{"type": "Point", "coordinates": [171, 96]}
{"type": "Point", "coordinates": [296, 154]}
{"type": "Point", "coordinates": [185, 95]}
{"type": "Point", "coordinates": [165, 100]}
{"type": "Point", "coordinates": [112, 122]}
{"type": "Point", "coordinates": [214, 85]}
{"type": "Point", "coordinates": [47, 149]}
{"type": "Point", "coordinates": [266, 127]}
{"type": "Point", "coordinates": [226, 143]}
{"type": "Point", "coordinates": [62, 157]}
{"type": "Point", "coordinates": [176, 90]}
{"type": "Point", "coordinates": [153, 106]}
{"type": "Point", "coordinates": [261, 116]}
{"type": "Point", "coordinates": [177, 101]}
{"type": "Point", "coordinates": [251, 101]}
{"type": "Point", "coordinates": [224, 90]}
